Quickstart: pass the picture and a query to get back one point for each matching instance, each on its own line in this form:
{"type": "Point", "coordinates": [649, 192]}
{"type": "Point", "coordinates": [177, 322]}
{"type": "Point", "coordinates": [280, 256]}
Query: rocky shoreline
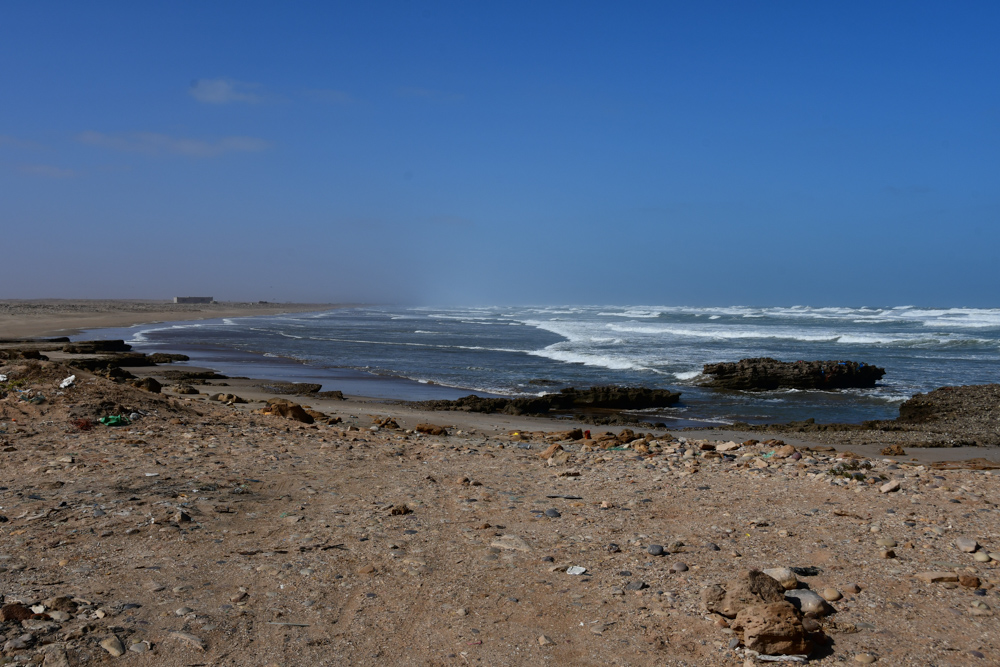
{"type": "Point", "coordinates": [201, 531]}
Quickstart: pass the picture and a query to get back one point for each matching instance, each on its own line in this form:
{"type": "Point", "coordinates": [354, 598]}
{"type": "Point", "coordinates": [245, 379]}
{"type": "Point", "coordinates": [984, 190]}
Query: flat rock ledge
{"type": "Point", "coordinates": [764, 374]}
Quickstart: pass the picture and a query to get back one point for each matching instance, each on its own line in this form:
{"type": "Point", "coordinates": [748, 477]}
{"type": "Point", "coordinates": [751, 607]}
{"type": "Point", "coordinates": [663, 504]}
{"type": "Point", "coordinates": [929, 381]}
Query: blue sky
{"type": "Point", "coordinates": [488, 153]}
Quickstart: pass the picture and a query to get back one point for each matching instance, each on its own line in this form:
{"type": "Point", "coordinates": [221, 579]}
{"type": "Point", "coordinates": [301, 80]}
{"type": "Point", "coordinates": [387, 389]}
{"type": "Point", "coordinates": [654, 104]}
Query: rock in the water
{"type": "Point", "coordinates": [610, 398]}
{"type": "Point", "coordinates": [773, 629]}
{"type": "Point", "coordinates": [765, 374]}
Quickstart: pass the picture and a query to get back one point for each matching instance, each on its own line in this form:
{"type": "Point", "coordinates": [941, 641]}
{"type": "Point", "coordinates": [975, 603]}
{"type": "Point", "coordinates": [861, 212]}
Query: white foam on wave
{"type": "Point", "coordinates": [687, 375]}
{"type": "Point", "coordinates": [611, 362]}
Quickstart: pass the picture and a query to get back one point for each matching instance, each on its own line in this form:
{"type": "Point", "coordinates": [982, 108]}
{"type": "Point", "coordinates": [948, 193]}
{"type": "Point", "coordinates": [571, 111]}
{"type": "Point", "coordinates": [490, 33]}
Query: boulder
{"type": "Point", "coordinates": [765, 374]}
{"type": "Point", "coordinates": [149, 384]}
{"type": "Point", "coordinates": [748, 588]}
{"type": "Point", "coordinates": [291, 411]}
{"type": "Point", "coordinates": [773, 629]}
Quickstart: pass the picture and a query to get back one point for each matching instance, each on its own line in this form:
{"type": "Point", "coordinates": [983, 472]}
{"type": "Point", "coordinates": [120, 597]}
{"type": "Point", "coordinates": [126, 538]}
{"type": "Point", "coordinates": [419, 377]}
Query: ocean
{"type": "Point", "coordinates": [422, 353]}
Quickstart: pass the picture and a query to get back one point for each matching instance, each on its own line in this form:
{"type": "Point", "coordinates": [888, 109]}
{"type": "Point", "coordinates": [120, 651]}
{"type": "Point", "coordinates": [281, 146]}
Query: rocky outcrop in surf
{"type": "Point", "coordinates": [764, 373]}
{"type": "Point", "coordinates": [567, 400]}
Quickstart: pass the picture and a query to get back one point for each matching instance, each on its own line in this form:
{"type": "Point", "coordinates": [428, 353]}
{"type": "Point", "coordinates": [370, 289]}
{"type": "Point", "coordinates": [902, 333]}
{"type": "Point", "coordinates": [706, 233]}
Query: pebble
{"type": "Point", "coordinates": [864, 658]}
{"type": "Point", "coordinates": [808, 601]}
{"type": "Point", "coordinates": [545, 641]}
{"type": "Point", "coordinates": [784, 576]}
{"type": "Point", "coordinates": [680, 567]}
{"type": "Point", "coordinates": [184, 611]}
{"type": "Point", "coordinates": [885, 542]}
{"type": "Point", "coordinates": [552, 513]}
{"type": "Point", "coordinates": [113, 646]}
{"type": "Point", "coordinates": [831, 594]}
{"type": "Point", "coordinates": [655, 550]}
{"type": "Point", "coordinates": [981, 557]}
{"type": "Point", "coordinates": [966, 544]}
{"type": "Point", "coordinates": [853, 589]}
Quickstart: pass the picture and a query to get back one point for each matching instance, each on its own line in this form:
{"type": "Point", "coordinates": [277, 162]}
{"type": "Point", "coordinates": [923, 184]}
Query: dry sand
{"type": "Point", "coordinates": [210, 534]}
{"type": "Point", "coordinates": [67, 317]}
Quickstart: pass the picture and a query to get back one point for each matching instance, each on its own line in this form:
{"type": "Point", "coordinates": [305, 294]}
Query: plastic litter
{"type": "Point", "coordinates": [68, 382]}
{"type": "Point", "coordinates": [575, 569]}
{"type": "Point", "coordinates": [3, 378]}
{"type": "Point", "coordinates": [114, 420]}
{"type": "Point", "coordinates": [37, 399]}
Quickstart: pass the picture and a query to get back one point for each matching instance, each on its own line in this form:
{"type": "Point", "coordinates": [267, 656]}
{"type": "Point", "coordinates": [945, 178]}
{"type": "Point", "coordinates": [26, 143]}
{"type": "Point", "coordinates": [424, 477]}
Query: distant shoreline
{"type": "Point", "coordinates": [40, 318]}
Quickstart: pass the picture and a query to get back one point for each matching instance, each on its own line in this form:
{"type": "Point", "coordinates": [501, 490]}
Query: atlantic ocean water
{"type": "Point", "coordinates": [420, 353]}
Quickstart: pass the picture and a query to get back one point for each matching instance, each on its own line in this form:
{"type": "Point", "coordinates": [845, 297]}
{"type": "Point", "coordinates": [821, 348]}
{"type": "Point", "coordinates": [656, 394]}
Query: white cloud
{"type": "Point", "coordinates": [151, 143]}
{"type": "Point", "coordinates": [223, 91]}
{"type": "Point", "coordinates": [46, 170]}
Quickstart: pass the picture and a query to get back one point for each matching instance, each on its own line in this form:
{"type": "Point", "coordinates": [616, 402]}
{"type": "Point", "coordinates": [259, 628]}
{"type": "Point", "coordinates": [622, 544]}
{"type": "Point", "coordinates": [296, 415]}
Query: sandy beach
{"type": "Point", "coordinates": [67, 317]}
{"type": "Point", "coordinates": [217, 525]}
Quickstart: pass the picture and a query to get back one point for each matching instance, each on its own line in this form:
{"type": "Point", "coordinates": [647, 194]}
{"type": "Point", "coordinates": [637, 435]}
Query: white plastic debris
{"type": "Point", "coordinates": [576, 569]}
{"type": "Point", "coordinates": [68, 382]}
{"type": "Point", "coordinates": [3, 378]}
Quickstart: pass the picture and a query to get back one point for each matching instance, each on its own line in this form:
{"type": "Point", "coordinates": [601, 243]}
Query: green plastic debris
{"type": "Point", "coordinates": [114, 420]}
{"type": "Point", "coordinates": [768, 455]}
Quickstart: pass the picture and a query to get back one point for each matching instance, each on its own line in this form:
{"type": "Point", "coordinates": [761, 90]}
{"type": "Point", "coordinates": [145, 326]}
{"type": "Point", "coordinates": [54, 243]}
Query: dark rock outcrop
{"type": "Point", "coordinates": [567, 400]}
{"type": "Point", "coordinates": [126, 359]}
{"type": "Point", "coordinates": [165, 358]}
{"type": "Point", "coordinates": [291, 387]}
{"type": "Point", "coordinates": [764, 373]}
{"type": "Point", "coordinates": [97, 346]}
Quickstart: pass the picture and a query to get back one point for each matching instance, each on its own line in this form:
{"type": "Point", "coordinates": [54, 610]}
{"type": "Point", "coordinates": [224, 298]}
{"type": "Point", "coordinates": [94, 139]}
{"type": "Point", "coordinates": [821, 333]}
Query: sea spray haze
{"type": "Point", "coordinates": [530, 350]}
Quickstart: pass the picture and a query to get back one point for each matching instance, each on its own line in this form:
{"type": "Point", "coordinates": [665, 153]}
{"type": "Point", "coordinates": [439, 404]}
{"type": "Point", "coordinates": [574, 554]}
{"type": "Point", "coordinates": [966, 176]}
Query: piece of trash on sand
{"type": "Point", "coordinates": [3, 378]}
{"type": "Point", "coordinates": [114, 420]}
{"type": "Point", "coordinates": [68, 382]}
{"type": "Point", "coordinates": [575, 569]}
